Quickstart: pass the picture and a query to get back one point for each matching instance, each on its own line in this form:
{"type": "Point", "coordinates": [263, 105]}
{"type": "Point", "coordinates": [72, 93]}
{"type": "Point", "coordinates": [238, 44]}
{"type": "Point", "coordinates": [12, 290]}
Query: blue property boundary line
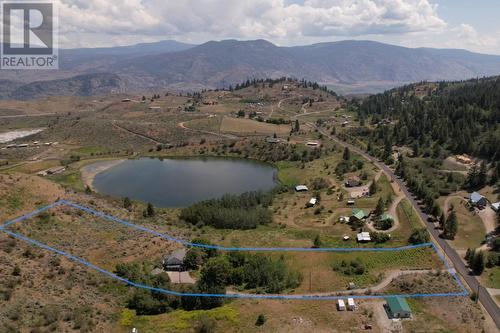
{"type": "Point", "coordinates": [186, 243]}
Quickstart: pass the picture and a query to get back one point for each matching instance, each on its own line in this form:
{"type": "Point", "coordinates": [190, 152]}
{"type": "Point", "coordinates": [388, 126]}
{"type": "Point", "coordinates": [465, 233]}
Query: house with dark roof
{"type": "Point", "coordinates": [175, 261]}
{"type": "Point", "coordinates": [477, 200]}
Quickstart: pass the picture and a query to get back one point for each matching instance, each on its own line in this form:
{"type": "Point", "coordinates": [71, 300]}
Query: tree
{"type": "Point", "coordinates": [373, 187]}
{"type": "Point", "coordinates": [379, 210]}
{"type": "Point", "coordinates": [193, 259]}
{"type": "Point", "coordinates": [442, 220]}
{"type": "Point", "coordinates": [477, 262]}
{"type": "Point", "coordinates": [297, 126]}
{"type": "Point", "coordinates": [347, 154]}
{"type": "Point", "coordinates": [127, 204]}
{"type": "Point", "coordinates": [317, 242]}
{"type": "Point", "coordinates": [150, 211]}
{"type": "Point", "coordinates": [419, 236]}
{"type": "Point", "coordinates": [88, 190]}
{"type": "Point", "coordinates": [451, 226]}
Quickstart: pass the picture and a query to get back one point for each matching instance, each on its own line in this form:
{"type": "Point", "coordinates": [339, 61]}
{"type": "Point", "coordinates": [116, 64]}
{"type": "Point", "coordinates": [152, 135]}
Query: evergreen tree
{"type": "Point", "coordinates": [347, 154]}
{"type": "Point", "coordinates": [379, 210]}
{"type": "Point", "coordinates": [297, 126]}
{"type": "Point", "coordinates": [451, 226]}
{"type": "Point", "coordinates": [477, 263]}
{"type": "Point", "coordinates": [150, 210]}
{"type": "Point", "coordinates": [127, 204]}
{"type": "Point", "coordinates": [317, 242]}
{"type": "Point", "coordinates": [373, 187]}
{"type": "Point", "coordinates": [442, 220]}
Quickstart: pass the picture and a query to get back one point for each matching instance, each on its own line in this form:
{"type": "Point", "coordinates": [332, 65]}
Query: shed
{"type": "Point", "coordinates": [301, 188]}
{"type": "Point", "coordinates": [363, 237]}
{"type": "Point", "coordinates": [312, 202]}
{"type": "Point", "coordinates": [312, 144]}
{"type": "Point", "coordinates": [175, 261]}
{"type": "Point", "coordinates": [398, 307]}
{"type": "Point", "coordinates": [477, 200]}
{"type": "Point", "coordinates": [341, 305]}
{"type": "Point", "coordinates": [350, 304]}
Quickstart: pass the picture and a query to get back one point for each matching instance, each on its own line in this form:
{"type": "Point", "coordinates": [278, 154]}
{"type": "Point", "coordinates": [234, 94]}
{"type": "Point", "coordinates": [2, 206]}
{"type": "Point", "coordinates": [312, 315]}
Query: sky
{"type": "Point", "coordinates": [465, 24]}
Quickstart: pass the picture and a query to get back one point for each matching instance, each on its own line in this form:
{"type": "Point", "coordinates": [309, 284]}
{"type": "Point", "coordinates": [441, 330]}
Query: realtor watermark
{"type": "Point", "coordinates": [29, 35]}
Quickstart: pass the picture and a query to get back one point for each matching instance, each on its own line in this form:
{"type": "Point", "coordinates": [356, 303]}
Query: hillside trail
{"type": "Point", "coordinates": [183, 126]}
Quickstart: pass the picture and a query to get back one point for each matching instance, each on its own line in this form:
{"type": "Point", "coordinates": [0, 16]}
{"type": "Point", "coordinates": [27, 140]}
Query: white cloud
{"type": "Point", "coordinates": [468, 34]}
{"type": "Point", "coordinates": [116, 22]}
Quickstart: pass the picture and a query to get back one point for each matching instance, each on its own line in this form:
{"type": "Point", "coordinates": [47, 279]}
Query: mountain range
{"type": "Point", "coordinates": [358, 65]}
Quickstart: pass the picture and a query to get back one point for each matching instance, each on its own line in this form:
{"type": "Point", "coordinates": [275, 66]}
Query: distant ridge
{"type": "Point", "coordinates": [215, 64]}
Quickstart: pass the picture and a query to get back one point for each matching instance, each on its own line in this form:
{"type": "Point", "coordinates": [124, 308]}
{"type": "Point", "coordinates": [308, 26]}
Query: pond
{"type": "Point", "coordinates": [182, 182]}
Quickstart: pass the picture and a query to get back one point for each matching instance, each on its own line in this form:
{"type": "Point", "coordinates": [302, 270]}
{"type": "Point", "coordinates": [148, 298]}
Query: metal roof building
{"type": "Point", "coordinates": [398, 307]}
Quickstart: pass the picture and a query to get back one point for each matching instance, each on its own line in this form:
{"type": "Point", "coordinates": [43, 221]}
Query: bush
{"type": "Point", "coordinates": [379, 237]}
{"type": "Point", "coordinates": [205, 325]}
{"type": "Point", "coordinates": [353, 267]}
{"type": "Point", "coordinates": [261, 320]}
{"type": "Point", "coordinates": [419, 236]}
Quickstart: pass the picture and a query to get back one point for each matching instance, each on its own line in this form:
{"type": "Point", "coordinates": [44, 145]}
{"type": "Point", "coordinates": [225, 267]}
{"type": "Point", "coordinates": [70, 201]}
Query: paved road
{"type": "Point", "coordinates": [484, 297]}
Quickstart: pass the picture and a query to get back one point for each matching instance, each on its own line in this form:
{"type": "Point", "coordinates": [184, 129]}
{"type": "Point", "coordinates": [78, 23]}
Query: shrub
{"type": "Point", "coordinates": [353, 267]}
{"type": "Point", "coordinates": [261, 320]}
{"type": "Point", "coordinates": [419, 236]}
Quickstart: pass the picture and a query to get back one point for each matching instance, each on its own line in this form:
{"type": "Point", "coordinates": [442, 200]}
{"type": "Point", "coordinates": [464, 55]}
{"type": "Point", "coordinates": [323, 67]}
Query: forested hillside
{"type": "Point", "coordinates": [462, 117]}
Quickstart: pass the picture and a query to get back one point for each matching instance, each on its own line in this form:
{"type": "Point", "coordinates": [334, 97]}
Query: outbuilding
{"type": "Point", "coordinates": [341, 305]}
{"type": "Point", "coordinates": [363, 237]}
{"type": "Point", "coordinates": [496, 206]}
{"type": "Point", "coordinates": [301, 188]}
{"type": "Point", "coordinates": [398, 307]}
{"type": "Point", "coordinates": [350, 304]}
{"type": "Point", "coordinates": [312, 202]}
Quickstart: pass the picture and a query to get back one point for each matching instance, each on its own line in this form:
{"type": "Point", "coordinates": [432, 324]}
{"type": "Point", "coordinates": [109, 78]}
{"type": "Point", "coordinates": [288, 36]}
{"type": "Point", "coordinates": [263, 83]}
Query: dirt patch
{"type": "Point", "coordinates": [90, 171]}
